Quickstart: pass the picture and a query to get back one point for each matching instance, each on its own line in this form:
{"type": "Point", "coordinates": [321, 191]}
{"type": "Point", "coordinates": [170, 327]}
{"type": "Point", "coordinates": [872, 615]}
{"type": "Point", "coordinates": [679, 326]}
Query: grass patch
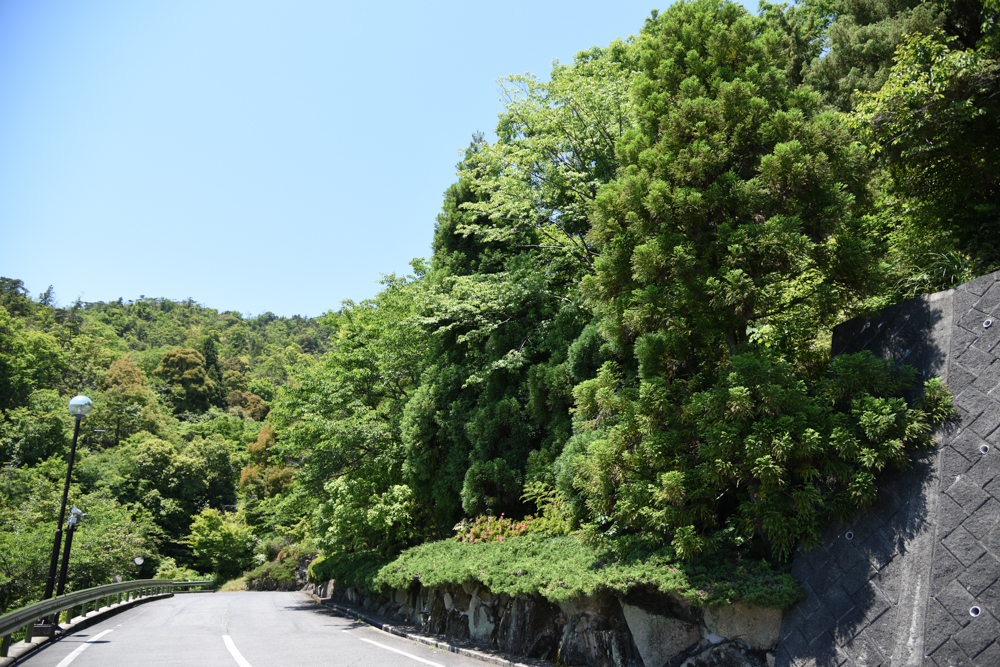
{"type": "Point", "coordinates": [238, 584]}
{"type": "Point", "coordinates": [565, 567]}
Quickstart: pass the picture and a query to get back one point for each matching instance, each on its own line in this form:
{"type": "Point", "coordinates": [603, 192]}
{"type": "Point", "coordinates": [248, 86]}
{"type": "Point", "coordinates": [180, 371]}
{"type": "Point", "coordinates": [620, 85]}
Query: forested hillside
{"type": "Point", "coordinates": [617, 354]}
{"type": "Point", "coordinates": [179, 392]}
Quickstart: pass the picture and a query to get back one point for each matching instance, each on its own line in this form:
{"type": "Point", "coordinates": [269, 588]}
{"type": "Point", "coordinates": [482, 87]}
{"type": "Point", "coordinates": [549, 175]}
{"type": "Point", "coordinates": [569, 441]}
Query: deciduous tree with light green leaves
{"type": "Point", "coordinates": [502, 302]}
{"type": "Point", "coordinates": [934, 125]}
{"type": "Point", "coordinates": [340, 423]}
{"type": "Point", "coordinates": [28, 360]}
{"type": "Point", "coordinates": [223, 543]}
{"type": "Point", "coordinates": [106, 541]}
{"type": "Point", "coordinates": [555, 148]}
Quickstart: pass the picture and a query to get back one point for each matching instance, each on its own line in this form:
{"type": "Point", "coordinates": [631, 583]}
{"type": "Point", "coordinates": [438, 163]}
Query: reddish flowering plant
{"type": "Point", "coordinates": [490, 529]}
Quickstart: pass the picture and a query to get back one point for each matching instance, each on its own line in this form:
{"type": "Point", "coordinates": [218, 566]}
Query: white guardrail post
{"type": "Point", "coordinates": [26, 617]}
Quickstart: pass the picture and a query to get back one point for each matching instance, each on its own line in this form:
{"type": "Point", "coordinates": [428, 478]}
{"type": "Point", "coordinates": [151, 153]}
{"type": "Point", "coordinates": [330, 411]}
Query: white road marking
{"type": "Point", "coordinates": [389, 648]}
{"type": "Point", "coordinates": [240, 660]}
{"type": "Point", "coordinates": [79, 649]}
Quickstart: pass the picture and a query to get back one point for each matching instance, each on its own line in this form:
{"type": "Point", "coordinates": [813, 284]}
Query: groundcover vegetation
{"type": "Point", "coordinates": [565, 567]}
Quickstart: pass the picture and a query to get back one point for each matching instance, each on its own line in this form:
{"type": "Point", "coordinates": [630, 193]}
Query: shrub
{"type": "Point", "coordinates": [279, 572]}
{"type": "Point", "coordinates": [354, 570]}
{"type": "Point", "coordinates": [233, 585]}
{"type": "Point", "coordinates": [759, 453]}
{"type": "Point", "coordinates": [169, 569]}
{"type": "Point", "coordinates": [490, 529]}
{"type": "Point", "coordinates": [274, 575]}
{"type": "Point", "coordinates": [556, 517]}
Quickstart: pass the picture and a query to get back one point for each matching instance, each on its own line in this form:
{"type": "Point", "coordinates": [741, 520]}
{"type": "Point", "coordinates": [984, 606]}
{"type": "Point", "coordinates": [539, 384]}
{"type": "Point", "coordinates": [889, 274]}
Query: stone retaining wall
{"type": "Point", "coordinates": [642, 629]}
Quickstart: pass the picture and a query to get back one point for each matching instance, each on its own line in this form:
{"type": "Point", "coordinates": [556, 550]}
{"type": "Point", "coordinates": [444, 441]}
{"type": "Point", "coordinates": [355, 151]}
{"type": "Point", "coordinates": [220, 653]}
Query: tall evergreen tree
{"type": "Point", "coordinates": [729, 244]}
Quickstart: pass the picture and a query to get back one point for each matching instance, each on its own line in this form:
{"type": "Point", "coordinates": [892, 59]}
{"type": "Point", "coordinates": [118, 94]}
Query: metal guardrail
{"type": "Point", "coordinates": [26, 617]}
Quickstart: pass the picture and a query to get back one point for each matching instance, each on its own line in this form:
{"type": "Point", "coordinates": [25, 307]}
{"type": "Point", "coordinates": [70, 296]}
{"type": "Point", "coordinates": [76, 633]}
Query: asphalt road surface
{"type": "Point", "coordinates": [237, 630]}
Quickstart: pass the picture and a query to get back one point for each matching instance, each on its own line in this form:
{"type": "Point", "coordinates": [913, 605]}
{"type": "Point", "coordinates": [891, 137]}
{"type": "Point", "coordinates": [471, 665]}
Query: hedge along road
{"type": "Point", "coordinates": [238, 630]}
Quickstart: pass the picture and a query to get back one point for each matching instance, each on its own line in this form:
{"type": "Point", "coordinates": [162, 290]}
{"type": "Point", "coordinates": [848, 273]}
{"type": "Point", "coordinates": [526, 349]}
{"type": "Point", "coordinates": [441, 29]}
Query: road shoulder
{"type": "Point", "coordinates": [21, 650]}
{"type": "Point", "coordinates": [410, 632]}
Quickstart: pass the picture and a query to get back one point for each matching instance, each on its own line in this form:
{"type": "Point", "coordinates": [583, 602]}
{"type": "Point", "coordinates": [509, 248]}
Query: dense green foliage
{"type": "Point", "coordinates": [179, 393]}
{"type": "Point", "coordinates": [223, 543]}
{"type": "Point", "coordinates": [614, 369]}
{"type": "Point", "coordinates": [760, 453]}
{"type": "Point", "coordinates": [624, 327]}
{"type": "Point", "coordinates": [935, 123]}
{"type": "Point", "coordinates": [357, 569]}
{"type": "Point", "coordinates": [112, 536]}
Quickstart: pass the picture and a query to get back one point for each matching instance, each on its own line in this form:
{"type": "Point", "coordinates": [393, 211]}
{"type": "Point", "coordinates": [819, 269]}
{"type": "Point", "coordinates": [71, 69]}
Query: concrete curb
{"type": "Point", "coordinates": [20, 650]}
{"type": "Point", "coordinates": [429, 640]}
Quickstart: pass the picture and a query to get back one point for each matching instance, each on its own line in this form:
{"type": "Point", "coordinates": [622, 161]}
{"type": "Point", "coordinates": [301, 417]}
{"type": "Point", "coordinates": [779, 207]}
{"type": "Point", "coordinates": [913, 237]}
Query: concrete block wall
{"type": "Point", "coordinates": [915, 582]}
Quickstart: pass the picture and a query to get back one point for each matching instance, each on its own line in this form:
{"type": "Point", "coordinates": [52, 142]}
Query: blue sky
{"type": "Point", "coordinates": [254, 156]}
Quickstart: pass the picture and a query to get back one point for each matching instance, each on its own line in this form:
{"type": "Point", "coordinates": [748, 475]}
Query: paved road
{"type": "Point", "coordinates": [237, 630]}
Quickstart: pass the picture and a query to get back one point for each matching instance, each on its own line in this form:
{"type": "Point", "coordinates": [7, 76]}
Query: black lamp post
{"type": "Point", "coordinates": [79, 407]}
{"type": "Point", "coordinates": [75, 515]}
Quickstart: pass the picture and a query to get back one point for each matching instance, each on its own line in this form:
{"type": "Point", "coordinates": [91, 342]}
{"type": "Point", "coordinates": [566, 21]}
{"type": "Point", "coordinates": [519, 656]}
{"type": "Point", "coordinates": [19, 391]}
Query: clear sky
{"type": "Point", "coordinates": [252, 155]}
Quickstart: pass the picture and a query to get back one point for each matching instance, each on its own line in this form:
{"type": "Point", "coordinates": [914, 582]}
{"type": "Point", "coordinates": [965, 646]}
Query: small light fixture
{"type": "Point", "coordinates": [975, 612]}
{"type": "Point", "coordinates": [138, 560]}
{"type": "Point", "coordinates": [75, 515]}
{"type": "Point", "coordinates": [80, 406]}
{"type": "Point", "coordinates": [849, 535]}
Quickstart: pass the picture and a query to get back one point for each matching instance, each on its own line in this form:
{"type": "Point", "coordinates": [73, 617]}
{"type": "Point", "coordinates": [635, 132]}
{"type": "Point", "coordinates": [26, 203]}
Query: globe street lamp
{"type": "Point", "coordinates": [79, 407]}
